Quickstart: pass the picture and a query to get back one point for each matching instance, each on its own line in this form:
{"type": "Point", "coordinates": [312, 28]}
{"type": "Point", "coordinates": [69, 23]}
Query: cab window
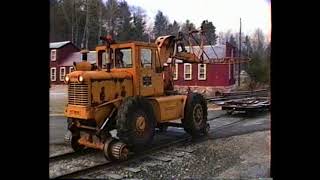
{"type": "Point", "coordinates": [102, 60]}
{"type": "Point", "coordinates": [123, 58]}
{"type": "Point", "coordinates": [145, 58]}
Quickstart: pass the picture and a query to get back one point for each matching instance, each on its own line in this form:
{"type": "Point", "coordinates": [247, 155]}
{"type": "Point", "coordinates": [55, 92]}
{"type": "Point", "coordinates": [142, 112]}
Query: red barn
{"type": "Point", "coordinates": [208, 78]}
{"type": "Point", "coordinates": [77, 57]}
{"type": "Point", "coordinates": [59, 52]}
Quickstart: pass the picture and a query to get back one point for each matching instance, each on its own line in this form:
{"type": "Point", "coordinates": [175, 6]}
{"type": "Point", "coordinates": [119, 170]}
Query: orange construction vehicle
{"type": "Point", "coordinates": [126, 91]}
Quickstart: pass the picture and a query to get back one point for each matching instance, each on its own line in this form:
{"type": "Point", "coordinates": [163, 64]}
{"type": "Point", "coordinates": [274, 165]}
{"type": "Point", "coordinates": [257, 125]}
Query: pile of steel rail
{"type": "Point", "coordinates": [246, 104]}
{"type": "Point", "coordinates": [244, 101]}
{"type": "Point", "coordinates": [238, 95]}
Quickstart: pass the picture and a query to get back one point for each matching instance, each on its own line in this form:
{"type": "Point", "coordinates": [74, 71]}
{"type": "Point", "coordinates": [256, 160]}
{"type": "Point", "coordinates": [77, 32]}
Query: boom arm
{"type": "Point", "coordinates": [168, 48]}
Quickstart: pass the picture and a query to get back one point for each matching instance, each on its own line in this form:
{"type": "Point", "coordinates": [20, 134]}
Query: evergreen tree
{"type": "Point", "coordinates": [160, 25]}
{"type": "Point", "coordinates": [185, 29]}
{"type": "Point", "coordinates": [112, 16]}
{"type": "Point", "coordinates": [232, 41]}
{"type": "Point", "coordinates": [124, 27]}
{"type": "Point", "coordinates": [173, 28]}
{"type": "Point", "coordinates": [210, 32]}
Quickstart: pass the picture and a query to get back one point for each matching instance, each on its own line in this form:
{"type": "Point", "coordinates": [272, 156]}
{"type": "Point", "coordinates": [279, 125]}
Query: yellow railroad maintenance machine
{"type": "Point", "coordinates": [127, 90]}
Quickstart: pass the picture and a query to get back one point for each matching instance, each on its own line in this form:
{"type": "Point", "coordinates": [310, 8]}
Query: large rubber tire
{"type": "Point", "coordinates": [195, 115]}
{"type": "Point", "coordinates": [128, 115]}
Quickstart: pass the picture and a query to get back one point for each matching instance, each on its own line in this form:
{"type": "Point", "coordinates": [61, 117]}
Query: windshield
{"type": "Point", "coordinates": [123, 58]}
{"type": "Point", "coordinates": [102, 60]}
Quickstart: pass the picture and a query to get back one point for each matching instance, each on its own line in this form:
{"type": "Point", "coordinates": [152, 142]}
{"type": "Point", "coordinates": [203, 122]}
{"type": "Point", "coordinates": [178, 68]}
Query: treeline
{"type": "Point", "coordinates": [254, 46]}
{"type": "Point", "coordinates": [84, 21]}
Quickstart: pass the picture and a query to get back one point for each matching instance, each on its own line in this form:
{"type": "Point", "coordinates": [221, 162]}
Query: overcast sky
{"type": "Point", "coordinates": [225, 14]}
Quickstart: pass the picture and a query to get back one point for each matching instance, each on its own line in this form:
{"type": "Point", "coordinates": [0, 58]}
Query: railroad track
{"type": "Point", "coordinates": [70, 155]}
{"type": "Point", "coordinates": [228, 125]}
{"type": "Point", "coordinates": [137, 156]}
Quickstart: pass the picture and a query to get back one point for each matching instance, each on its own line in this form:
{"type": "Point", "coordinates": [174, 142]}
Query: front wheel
{"type": "Point", "coordinates": [135, 122]}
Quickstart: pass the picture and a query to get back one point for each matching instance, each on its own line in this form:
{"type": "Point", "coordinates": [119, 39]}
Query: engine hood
{"type": "Point", "coordinates": [100, 75]}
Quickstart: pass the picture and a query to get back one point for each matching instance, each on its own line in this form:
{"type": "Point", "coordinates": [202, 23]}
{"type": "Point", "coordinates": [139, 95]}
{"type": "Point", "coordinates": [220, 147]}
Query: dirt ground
{"type": "Point", "coordinates": [238, 157]}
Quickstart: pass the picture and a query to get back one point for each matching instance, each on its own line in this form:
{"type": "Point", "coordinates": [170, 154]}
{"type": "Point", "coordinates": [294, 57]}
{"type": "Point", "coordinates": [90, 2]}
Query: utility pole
{"type": "Point", "coordinates": [72, 21]}
{"type": "Point", "coordinates": [239, 55]}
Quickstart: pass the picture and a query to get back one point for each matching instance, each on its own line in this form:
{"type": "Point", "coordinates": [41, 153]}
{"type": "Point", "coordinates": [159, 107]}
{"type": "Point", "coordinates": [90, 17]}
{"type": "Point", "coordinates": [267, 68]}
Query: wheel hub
{"type": "Point", "coordinates": [120, 151]}
{"type": "Point", "coordinates": [198, 114]}
{"type": "Point", "coordinates": [140, 124]}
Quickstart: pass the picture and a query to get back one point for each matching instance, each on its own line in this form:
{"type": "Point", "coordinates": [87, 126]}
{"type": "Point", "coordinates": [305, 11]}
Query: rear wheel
{"type": "Point", "coordinates": [135, 122]}
{"type": "Point", "coordinates": [195, 115]}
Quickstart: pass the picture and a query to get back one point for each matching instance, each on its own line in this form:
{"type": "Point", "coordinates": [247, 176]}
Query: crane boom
{"type": "Point", "coordinates": [168, 48]}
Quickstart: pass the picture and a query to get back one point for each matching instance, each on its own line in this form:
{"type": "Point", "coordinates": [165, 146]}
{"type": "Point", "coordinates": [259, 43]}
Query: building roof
{"type": "Point", "coordinates": [56, 45]}
{"type": "Point", "coordinates": [76, 57]}
{"type": "Point", "coordinates": [214, 52]}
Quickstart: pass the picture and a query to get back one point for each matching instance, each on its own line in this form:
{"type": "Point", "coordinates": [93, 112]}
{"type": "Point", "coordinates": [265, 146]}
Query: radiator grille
{"type": "Point", "coordinates": [78, 94]}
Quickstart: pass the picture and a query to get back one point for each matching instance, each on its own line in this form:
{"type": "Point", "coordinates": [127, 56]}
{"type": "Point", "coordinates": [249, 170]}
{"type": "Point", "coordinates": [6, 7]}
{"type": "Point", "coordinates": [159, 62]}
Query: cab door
{"type": "Point", "coordinates": [146, 71]}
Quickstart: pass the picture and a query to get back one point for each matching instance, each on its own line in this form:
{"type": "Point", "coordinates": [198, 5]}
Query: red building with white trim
{"type": "Point", "coordinates": [62, 56]}
{"type": "Point", "coordinates": [208, 78]}
{"type": "Point", "coordinates": [59, 52]}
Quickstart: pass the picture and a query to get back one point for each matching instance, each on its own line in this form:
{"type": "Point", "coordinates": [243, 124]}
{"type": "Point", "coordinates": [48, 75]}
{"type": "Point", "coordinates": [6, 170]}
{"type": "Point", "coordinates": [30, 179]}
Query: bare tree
{"type": "Point", "coordinates": [112, 14]}
{"type": "Point", "coordinates": [83, 42]}
{"type": "Point", "coordinates": [100, 6]}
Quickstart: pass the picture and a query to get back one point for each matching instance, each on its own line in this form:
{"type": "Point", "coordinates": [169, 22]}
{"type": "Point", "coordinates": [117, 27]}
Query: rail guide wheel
{"type": "Point", "coordinates": [120, 151]}
{"type": "Point", "coordinates": [115, 150]}
{"type": "Point", "coordinates": [74, 141]}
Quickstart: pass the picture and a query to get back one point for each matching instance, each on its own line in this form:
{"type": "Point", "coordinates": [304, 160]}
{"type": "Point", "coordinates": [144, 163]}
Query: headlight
{"type": "Point", "coordinates": [67, 78]}
{"type": "Point", "coordinates": [80, 78]}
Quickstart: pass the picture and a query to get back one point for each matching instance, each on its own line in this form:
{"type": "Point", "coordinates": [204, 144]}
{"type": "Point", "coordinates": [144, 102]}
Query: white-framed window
{"type": "Point", "coordinates": [53, 74]}
{"type": "Point", "coordinates": [71, 68]}
{"type": "Point", "coordinates": [187, 71]}
{"type": "Point", "coordinates": [53, 55]}
{"type": "Point", "coordinates": [202, 71]}
{"type": "Point", "coordinates": [62, 73]}
{"type": "Point", "coordinates": [175, 72]}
